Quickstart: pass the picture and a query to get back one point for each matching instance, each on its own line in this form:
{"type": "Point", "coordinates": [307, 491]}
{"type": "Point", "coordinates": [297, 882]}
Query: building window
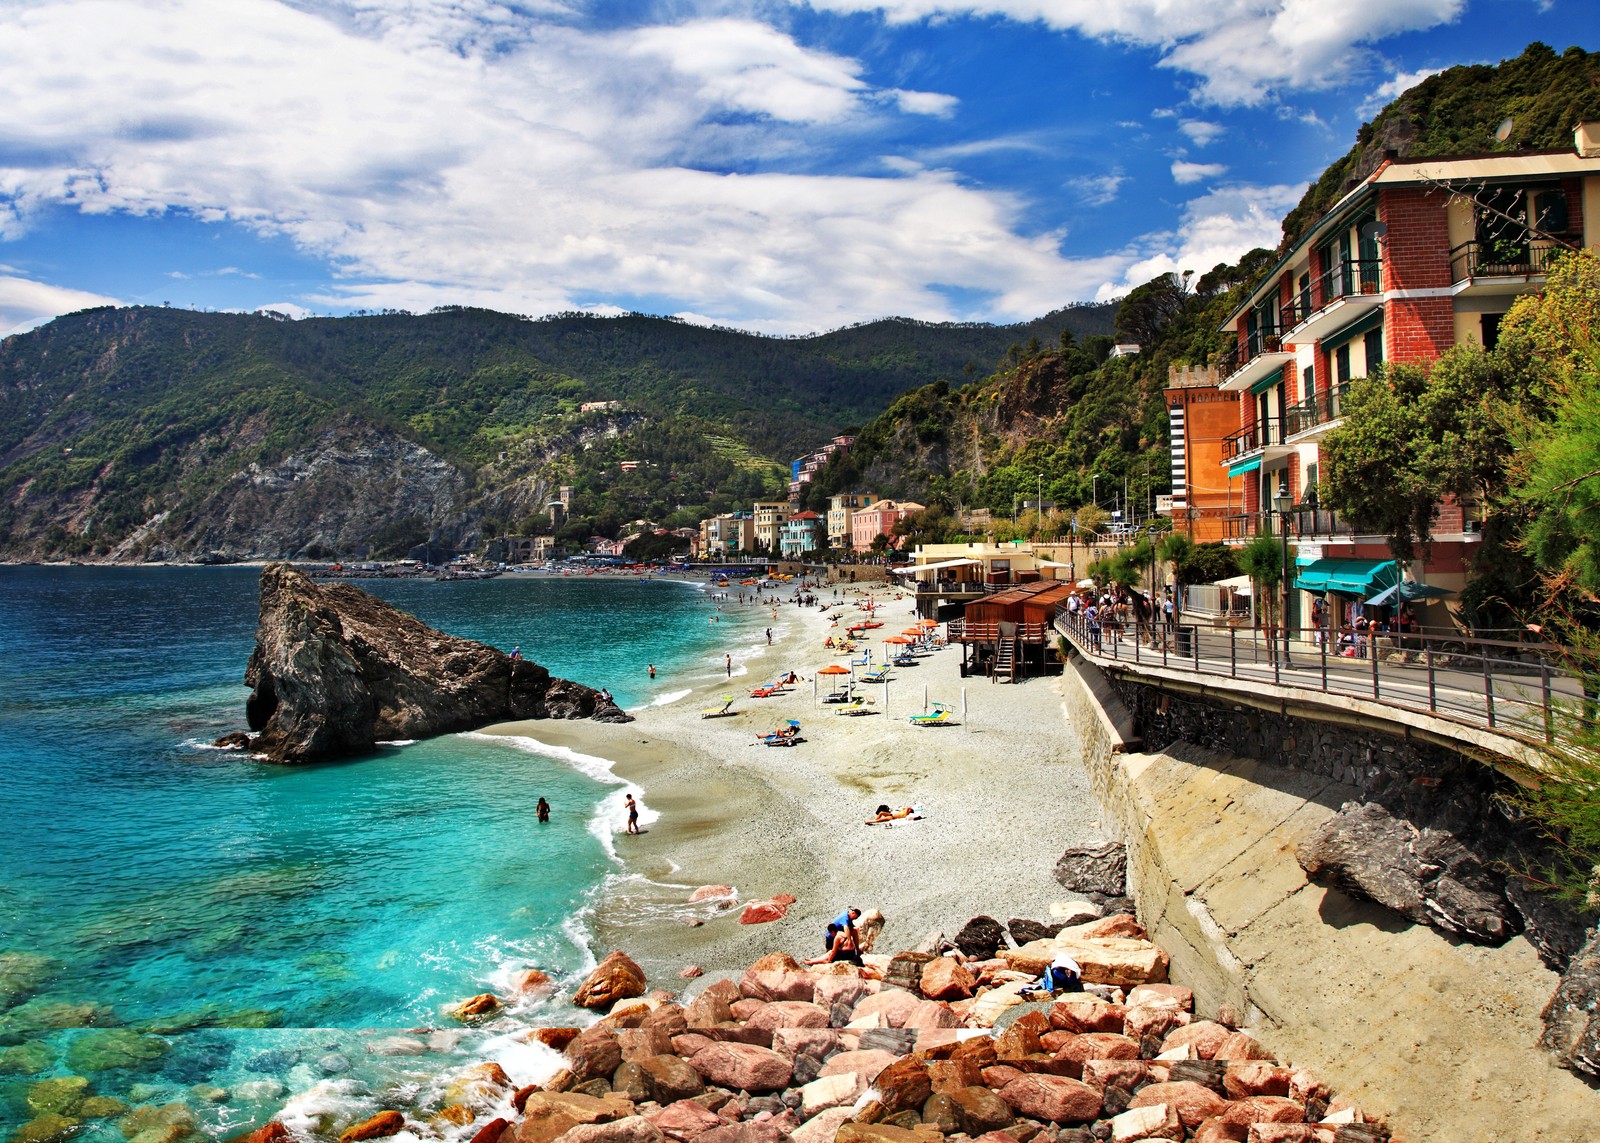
{"type": "Point", "coordinates": [1374, 347]}
{"type": "Point", "coordinates": [1550, 212]}
{"type": "Point", "coordinates": [1341, 363]}
{"type": "Point", "coordinates": [1490, 324]}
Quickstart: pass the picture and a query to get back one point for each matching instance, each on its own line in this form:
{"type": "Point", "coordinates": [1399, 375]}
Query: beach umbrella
{"type": "Point", "coordinates": [833, 669]}
{"type": "Point", "coordinates": [925, 623]}
{"type": "Point", "coordinates": [897, 639]}
{"type": "Point", "coordinates": [915, 632]}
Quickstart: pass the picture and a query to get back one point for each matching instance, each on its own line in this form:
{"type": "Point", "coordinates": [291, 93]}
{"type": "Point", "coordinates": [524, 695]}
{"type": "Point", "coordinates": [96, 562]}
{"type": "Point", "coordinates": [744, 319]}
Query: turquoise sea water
{"type": "Point", "coordinates": [260, 928]}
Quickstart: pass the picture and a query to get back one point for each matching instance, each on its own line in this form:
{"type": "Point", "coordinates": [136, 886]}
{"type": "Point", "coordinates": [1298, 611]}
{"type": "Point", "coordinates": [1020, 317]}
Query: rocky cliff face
{"type": "Point", "coordinates": [336, 671]}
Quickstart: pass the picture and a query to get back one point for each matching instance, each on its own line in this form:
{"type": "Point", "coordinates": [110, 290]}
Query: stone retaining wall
{"type": "Point", "coordinates": [1440, 1034]}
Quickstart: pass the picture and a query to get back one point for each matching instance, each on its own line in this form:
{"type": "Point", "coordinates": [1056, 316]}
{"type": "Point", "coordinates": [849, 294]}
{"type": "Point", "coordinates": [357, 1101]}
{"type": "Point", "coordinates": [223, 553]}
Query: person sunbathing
{"type": "Point", "coordinates": [885, 814]}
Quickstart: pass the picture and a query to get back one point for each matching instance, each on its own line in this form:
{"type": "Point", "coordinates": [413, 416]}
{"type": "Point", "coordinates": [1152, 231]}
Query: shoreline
{"type": "Point", "coordinates": [999, 798]}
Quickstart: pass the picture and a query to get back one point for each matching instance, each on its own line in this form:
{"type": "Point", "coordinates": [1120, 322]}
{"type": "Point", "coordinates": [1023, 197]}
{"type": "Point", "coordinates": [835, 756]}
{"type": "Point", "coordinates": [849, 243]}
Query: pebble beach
{"type": "Point", "coordinates": [997, 800]}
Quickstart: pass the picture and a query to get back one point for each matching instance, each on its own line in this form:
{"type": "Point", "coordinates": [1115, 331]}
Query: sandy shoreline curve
{"type": "Point", "coordinates": [998, 795]}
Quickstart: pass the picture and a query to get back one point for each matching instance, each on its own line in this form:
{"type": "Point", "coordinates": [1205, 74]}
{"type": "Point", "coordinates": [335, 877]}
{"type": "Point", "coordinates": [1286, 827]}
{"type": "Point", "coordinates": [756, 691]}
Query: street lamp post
{"type": "Point", "coordinates": [1282, 503]}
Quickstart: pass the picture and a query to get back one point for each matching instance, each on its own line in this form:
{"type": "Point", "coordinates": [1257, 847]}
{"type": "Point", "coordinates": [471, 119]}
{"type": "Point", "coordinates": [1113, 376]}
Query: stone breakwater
{"type": "Point", "coordinates": [912, 1048]}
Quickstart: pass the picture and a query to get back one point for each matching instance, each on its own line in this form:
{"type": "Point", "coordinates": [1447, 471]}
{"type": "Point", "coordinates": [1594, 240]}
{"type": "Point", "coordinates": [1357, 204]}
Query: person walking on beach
{"type": "Point", "coordinates": [543, 810]}
{"type": "Point", "coordinates": [728, 660]}
{"type": "Point", "coordinates": [769, 636]}
{"type": "Point", "coordinates": [633, 815]}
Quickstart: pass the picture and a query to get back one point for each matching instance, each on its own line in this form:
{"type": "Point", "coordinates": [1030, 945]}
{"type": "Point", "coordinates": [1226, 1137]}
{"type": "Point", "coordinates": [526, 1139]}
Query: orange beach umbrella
{"type": "Point", "coordinates": [833, 669]}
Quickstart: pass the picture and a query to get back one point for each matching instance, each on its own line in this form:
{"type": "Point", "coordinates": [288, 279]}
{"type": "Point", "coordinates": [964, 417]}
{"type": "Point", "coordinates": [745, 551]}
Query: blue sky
{"type": "Point", "coordinates": [784, 167]}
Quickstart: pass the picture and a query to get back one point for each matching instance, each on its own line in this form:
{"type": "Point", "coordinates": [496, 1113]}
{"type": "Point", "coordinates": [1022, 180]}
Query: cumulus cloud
{"type": "Point", "coordinates": [1216, 228]}
{"type": "Point", "coordinates": [1184, 172]}
{"type": "Point", "coordinates": [1241, 51]}
{"type": "Point", "coordinates": [25, 303]}
{"type": "Point", "coordinates": [1399, 84]}
{"type": "Point", "coordinates": [1201, 132]}
{"type": "Point", "coordinates": [440, 152]}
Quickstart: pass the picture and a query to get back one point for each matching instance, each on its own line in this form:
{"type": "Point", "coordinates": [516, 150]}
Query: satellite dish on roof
{"type": "Point", "coordinates": [1503, 132]}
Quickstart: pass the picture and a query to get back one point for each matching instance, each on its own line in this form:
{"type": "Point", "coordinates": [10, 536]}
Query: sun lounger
{"type": "Point", "coordinates": [856, 706]}
{"type": "Point", "coordinates": [876, 675]}
{"type": "Point", "coordinates": [722, 711]}
{"type": "Point", "coordinates": [939, 716]}
{"type": "Point", "coordinates": [785, 737]}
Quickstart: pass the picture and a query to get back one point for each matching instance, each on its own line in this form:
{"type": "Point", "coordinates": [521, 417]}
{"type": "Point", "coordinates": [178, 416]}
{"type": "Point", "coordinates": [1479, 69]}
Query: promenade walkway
{"type": "Point", "coordinates": [1511, 689]}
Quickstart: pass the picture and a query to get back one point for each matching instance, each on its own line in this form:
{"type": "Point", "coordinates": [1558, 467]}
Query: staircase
{"type": "Point", "coordinates": [1005, 661]}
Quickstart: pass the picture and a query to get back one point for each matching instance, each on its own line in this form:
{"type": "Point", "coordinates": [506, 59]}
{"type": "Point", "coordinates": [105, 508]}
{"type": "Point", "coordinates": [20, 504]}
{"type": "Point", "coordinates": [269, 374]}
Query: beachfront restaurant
{"type": "Point", "coordinates": [947, 577]}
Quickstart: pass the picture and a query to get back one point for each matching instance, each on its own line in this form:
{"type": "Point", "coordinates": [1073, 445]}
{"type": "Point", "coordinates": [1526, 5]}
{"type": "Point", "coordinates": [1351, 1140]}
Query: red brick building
{"type": "Point", "coordinates": [1420, 256]}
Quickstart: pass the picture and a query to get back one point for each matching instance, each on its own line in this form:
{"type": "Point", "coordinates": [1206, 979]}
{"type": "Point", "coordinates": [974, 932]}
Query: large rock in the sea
{"type": "Point", "coordinates": [615, 978]}
{"type": "Point", "coordinates": [336, 671]}
{"type": "Point", "coordinates": [1424, 874]}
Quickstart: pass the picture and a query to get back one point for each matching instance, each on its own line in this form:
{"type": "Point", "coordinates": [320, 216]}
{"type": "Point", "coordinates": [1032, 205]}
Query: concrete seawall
{"type": "Point", "coordinates": [1438, 1034]}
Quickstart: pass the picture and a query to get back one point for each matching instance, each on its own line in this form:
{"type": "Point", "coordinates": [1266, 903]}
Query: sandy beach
{"type": "Point", "coordinates": [998, 802]}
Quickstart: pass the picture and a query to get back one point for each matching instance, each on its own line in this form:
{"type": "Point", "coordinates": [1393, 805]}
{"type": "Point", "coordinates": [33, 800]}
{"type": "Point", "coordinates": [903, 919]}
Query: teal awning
{"type": "Point", "coordinates": [1243, 467]}
{"type": "Point", "coordinates": [1267, 382]}
{"type": "Point", "coordinates": [1348, 577]}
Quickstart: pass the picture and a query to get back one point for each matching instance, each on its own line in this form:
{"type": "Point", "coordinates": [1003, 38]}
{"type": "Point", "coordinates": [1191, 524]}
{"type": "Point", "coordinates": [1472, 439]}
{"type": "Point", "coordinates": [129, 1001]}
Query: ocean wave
{"type": "Point", "coordinates": [670, 697]}
{"type": "Point", "coordinates": [199, 744]}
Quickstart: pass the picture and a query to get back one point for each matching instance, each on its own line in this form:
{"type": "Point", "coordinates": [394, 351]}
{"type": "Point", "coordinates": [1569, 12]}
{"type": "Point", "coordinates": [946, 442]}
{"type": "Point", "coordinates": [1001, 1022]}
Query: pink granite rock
{"type": "Point", "coordinates": [1085, 1014]}
{"type": "Point", "coordinates": [1054, 1098]}
{"type": "Point", "coordinates": [865, 1063]}
{"type": "Point", "coordinates": [893, 1005]}
{"type": "Point", "coordinates": [945, 978]}
{"type": "Point", "coordinates": [1204, 1036]}
{"type": "Point", "coordinates": [743, 1067]}
{"type": "Point", "coordinates": [1194, 1102]}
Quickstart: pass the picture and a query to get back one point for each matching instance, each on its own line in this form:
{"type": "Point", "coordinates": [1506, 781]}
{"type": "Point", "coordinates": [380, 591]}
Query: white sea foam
{"type": "Point", "coordinates": [197, 744]}
{"type": "Point", "coordinates": [670, 697]}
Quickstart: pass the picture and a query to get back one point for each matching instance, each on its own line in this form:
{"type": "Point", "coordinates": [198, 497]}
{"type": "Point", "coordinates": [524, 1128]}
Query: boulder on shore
{"type": "Point", "coordinates": [1424, 874]}
{"type": "Point", "coordinates": [335, 671]}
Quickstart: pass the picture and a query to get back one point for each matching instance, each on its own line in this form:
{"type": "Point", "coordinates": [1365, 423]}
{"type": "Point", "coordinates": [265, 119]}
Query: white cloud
{"type": "Point", "coordinates": [751, 67]}
{"type": "Point", "coordinates": [925, 103]}
{"type": "Point", "coordinates": [442, 153]}
{"type": "Point", "coordinates": [1399, 84]}
{"type": "Point", "coordinates": [1216, 228]}
{"type": "Point", "coordinates": [1202, 132]}
{"type": "Point", "coordinates": [25, 303]}
{"type": "Point", "coordinates": [1184, 172]}
{"type": "Point", "coordinates": [1097, 190]}
{"type": "Point", "coordinates": [1242, 51]}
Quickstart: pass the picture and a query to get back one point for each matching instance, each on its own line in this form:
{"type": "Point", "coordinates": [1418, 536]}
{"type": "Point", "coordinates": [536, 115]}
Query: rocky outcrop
{"type": "Point", "coordinates": [836, 1057]}
{"type": "Point", "coordinates": [1425, 874]}
{"type": "Point", "coordinates": [336, 671]}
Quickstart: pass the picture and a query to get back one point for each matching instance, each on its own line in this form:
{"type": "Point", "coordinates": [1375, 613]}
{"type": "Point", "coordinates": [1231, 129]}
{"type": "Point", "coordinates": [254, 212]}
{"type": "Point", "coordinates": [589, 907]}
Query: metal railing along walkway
{"type": "Point", "coordinates": [1512, 688]}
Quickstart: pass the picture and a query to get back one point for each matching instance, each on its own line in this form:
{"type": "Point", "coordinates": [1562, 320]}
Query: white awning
{"type": "Point", "coordinates": [1239, 584]}
{"type": "Point", "coordinates": [918, 568]}
{"type": "Point", "coordinates": [1051, 564]}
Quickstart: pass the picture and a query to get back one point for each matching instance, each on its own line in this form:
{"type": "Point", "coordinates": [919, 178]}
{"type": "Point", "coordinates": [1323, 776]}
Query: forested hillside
{"type": "Point", "coordinates": [153, 432]}
{"type": "Point", "coordinates": [1529, 103]}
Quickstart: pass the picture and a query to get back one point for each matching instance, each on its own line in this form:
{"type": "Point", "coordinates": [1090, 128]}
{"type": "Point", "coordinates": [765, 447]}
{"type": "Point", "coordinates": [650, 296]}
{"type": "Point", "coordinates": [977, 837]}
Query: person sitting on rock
{"type": "Point", "coordinates": [1063, 975]}
{"type": "Point", "coordinates": [841, 946]}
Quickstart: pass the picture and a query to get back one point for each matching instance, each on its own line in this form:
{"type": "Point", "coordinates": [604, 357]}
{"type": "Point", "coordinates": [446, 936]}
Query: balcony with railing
{"type": "Point", "coordinates": [1506, 265]}
{"type": "Point", "coordinates": [1322, 410]}
{"type": "Point", "coordinates": [1252, 440]}
{"type": "Point", "coordinates": [1335, 298]}
{"type": "Point", "coordinates": [1304, 524]}
{"type": "Point", "coordinates": [1250, 359]}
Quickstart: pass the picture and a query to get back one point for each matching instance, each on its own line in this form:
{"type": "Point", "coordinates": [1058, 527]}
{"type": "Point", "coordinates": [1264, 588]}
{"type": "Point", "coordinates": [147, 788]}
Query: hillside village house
{"type": "Point", "coordinates": [804, 469]}
{"type": "Point", "coordinates": [841, 510]}
{"type": "Point", "coordinates": [769, 516]}
{"type": "Point", "coordinates": [867, 524]}
{"type": "Point", "coordinates": [802, 533]}
{"type": "Point", "coordinates": [1422, 255]}
{"type": "Point", "coordinates": [727, 535]}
